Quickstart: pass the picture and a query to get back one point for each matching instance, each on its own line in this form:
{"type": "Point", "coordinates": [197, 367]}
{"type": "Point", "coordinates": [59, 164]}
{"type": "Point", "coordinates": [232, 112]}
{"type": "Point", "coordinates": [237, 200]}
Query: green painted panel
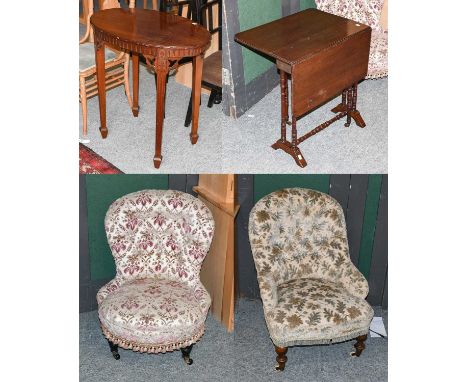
{"type": "Point", "coordinates": [368, 225]}
{"type": "Point", "coordinates": [102, 190]}
{"type": "Point", "coordinates": [307, 4]}
{"type": "Point", "coordinates": [267, 183]}
{"type": "Point", "coordinates": [251, 14]}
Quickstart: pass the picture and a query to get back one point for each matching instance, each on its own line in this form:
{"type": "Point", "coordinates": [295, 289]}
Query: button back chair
{"type": "Point", "coordinates": [156, 302]}
{"type": "Point", "coordinates": [311, 291]}
{"type": "Point", "coordinates": [116, 64]}
{"type": "Point", "coordinates": [212, 66]}
{"type": "Point", "coordinates": [367, 12]}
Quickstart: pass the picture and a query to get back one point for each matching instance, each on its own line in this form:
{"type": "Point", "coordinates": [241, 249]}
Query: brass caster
{"type": "Point", "coordinates": [278, 367]}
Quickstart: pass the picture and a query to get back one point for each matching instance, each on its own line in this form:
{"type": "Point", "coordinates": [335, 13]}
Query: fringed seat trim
{"type": "Point", "coordinates": [151, 348]}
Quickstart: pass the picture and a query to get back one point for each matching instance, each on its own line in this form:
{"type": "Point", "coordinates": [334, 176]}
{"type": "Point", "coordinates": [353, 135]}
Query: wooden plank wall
{"type": "Point", "coordinates": [364, 200]}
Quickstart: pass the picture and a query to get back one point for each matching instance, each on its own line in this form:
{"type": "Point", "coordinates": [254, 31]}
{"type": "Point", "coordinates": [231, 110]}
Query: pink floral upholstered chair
{"type": "Point", "coordinates": [311, 291]}
{"type": "Point", "coordinates": [156, 302]}
{"type": "Point", "coordinates": [367, 12]}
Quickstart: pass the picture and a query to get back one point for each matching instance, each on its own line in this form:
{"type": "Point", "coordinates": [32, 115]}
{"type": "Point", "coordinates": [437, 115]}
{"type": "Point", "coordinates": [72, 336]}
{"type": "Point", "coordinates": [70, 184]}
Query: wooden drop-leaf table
{"type": "Point", "coordinates": [163, 39]}
{"type": "Point", "coordinates": [324, 55]}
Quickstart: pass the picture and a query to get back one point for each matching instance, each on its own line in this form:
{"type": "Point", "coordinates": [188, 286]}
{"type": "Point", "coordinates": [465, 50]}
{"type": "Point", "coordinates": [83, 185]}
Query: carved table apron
{"type": "Point", "coordinates": [163, 39]}
{"type": "Point", "coordinates": [324, 55]}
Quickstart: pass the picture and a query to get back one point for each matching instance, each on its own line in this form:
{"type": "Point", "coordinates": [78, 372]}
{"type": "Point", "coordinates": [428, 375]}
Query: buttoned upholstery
{"type": "Point", "coordinates": [156, 302]}
{"type": "Point", "coordinates": [311, 291]}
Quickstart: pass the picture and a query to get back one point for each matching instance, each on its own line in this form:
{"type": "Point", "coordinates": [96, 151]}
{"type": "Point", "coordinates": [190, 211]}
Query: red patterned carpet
{"type": "Point", "coordinates": [92, 163]}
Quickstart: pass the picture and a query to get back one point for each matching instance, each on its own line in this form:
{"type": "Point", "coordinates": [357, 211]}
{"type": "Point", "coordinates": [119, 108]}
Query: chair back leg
{"type": "Point", "coordinates": [188, 116]}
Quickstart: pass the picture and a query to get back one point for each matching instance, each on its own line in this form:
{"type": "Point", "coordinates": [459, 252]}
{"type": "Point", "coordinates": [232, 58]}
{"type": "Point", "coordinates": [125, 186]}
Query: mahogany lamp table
{"type": "Point", "coordinates": [163, 39]}
{"type": "Point", "coordinates": [324, 55]}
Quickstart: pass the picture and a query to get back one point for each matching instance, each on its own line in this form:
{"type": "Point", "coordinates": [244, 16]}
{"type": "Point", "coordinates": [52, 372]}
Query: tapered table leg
{"type": "Point", "coordinates": [135, 82]}
{"type": "Point", "coordinates": [101, 84]}
{"type": "Point", "coordinates": [161, 67]}
{"type": "Point", "coordinates": [196, 91]}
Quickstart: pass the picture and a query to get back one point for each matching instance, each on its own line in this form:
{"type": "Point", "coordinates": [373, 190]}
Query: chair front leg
{"type": "Point", "coordinates": [281, 358]}
{"type": "Point", "coordinates": [188, 116]}
{"type": "Point", "coordinates": [84, 106]}
{"type": "Point", "coordinates": [212, 98]}
{"type": "Point", "coordinates": [186, 354]}
{"type": "Point", "coordinates": [114, 350]}
{"type": "Point", "coordinates": [218, 96]}
{"type": "Point", "coordinates": [359, 345]}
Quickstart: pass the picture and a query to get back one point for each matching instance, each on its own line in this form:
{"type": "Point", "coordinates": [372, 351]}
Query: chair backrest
{"type": "Point", "coordinates": [364, 11]}
{"type": "Point", "coordinates": [178, 7]}
{"type": "Point", "coordinates": [298, 233]}
{"type": "Point", "coordinates": [103, 4]}
{"type": "Point", "coordinates": [159, 233]}
{"type": "Point", "coordinates": [207, 19]}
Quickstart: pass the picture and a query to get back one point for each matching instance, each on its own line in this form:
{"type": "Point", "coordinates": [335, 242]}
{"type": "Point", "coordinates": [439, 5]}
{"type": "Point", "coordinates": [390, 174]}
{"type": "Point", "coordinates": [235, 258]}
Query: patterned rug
{"type": "Point", "coordinates": [92, 163]}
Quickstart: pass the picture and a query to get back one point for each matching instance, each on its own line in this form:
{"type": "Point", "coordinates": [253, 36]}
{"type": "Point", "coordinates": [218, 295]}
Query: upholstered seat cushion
{"type": "Point", "coordinates": [212, 68]}
{"type": "Point", "coordinates": [87, 58]}
{"type": "Point", "coordinates": [311, 311]}
{"type": "Point", "coordinates": [154, 315]}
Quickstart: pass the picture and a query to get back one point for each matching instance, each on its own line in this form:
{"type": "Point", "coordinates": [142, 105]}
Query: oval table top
{"type": "Point", "coordinates": [147, 31]}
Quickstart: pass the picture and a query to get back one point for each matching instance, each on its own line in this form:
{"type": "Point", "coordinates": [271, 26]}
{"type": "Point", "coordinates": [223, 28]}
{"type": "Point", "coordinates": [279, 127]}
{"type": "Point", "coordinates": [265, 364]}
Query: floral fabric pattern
{"type": "Point", "coordinates": [153, 311]}
{"type": "Point", "coordinates": [365, 12]}
{"type": "Point", "coordinates": [311, 291]}
{"type": "Point", "coordinates": [159, 240]}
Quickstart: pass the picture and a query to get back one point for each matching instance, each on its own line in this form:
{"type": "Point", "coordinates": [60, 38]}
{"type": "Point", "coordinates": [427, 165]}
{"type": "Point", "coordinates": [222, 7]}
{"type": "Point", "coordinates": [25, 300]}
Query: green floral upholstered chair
{"type": "Point", "coordinates": [311, 291]}
{"type": "Point", "coordinates": [156, 302]}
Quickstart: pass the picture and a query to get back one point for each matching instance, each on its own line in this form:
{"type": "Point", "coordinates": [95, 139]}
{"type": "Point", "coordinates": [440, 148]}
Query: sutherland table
{"type": "Point", "coordinates": [324, 54]}
{"type": "Point", "coordinates": [163, 39]}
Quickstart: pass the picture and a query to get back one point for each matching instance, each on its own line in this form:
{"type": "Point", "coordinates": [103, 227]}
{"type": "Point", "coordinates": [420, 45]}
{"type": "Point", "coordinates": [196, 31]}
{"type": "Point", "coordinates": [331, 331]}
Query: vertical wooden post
{"type": "Point", "coordinates": [217, 272]}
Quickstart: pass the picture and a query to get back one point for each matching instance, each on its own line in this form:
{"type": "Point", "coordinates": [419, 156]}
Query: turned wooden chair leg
{"type": "Point", "coordinates": [186, 354]}
{"type": "Point", "coordinates": [281, 358]}
{"type": "Point", "coordinates": [218, 96]}
{"type": "Point", "coordinates": [188, 116]}
{"type": "Point", "coordinates": [359, 345]}
{"type": "Point", "coordinates": [212, 98]}
{"type": "Point", "coordinates": [114, 350]}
